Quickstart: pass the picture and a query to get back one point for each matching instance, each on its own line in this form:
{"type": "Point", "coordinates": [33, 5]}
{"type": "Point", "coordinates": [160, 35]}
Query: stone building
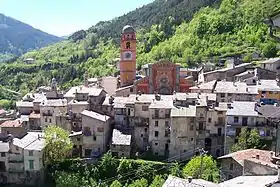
{"type": "Point", "coordinates": [160, 124]}
{"type": "Point", "coordinates": [235, 91]}
{"type": "Point", "coordinates": [75, 108]}
{"type": "Point", "coordinates": [4, 162]}
{"type": "Point", "coordinates": [96, 133]}
{"type": "Point", "coordinates": [271, 64]}
{"type": "Point", "coordinates": [242, 163]}
{"type": "Point", "coordinates": [50, 109]}
{"type": "Point", "coordinates": [121, 144]}
{"type": "Point", "coordinates": [183, 132]}
{"type": "Point", "coordinates": [268, 91]}
{"type": "Point", "coordinates": [77, 140]}
{"type": "Point", "coordinates": [251, 115]}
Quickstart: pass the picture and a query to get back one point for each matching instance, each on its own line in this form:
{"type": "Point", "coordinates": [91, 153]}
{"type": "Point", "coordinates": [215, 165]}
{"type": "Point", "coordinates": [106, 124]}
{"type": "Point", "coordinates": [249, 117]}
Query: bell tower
{"type": "Point", "coordinates": [128, 56]}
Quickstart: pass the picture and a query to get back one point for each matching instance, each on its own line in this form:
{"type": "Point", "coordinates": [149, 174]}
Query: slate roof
{"type": "Point", "coordinates": [271, 61]}
{"type": "Point", "coordinates": [205, 86]}
{"type": "Point", "coordinates": [92, 91]}
{"type": "Point", "coordinates": [95, 115]}
{"type": "Point", "coordinates": [119, 138]}
{"type": "Point", "coordinates": [30, 141]}
{"type": "Point", "coordinates": [268, 85]}
{"type": "Point", "coordinates": [249, 154]}
{"type": "Point", "coordinates": [235, 87]}
{"type": "Point", "coordinates": [24, 104]}
{"type": "Point", "coordinates": [54, 102]}
{"type": "Point", "coordinates": [268, 111]}
{"type": "Point", "coordinates": [167, 104]}
{"type": "Point", "coordinates": [184, 111]}
{"type": "Point", "coordinates": [179, 182]}
{"type": "Point", "coordinates": [249, 181]}
{"type": "Point", "coordinates": [4, 147]}
{"type": "Point", "coordinates": [242, 108]}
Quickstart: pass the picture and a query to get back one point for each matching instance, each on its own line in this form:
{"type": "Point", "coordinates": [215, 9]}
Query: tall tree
{"type": "Point", "coordinates": [158, 181]}
{"type": "Point", "coordinates": [204, 167]}
{"type": "Point", "coordinates": [57, 144]}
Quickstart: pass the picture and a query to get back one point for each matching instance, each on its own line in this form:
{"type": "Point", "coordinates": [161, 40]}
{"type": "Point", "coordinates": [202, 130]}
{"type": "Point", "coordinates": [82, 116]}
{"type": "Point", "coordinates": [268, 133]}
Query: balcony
{"type": "Point", "coordinates": [160, 117]}
{"type": "Point", "coordinates": [15, 158]}
{"type": "Point", "coordinates": [16, 168]}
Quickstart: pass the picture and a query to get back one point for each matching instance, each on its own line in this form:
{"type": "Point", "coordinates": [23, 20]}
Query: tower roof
{"type": "Point", "coordinates": [128, 29]}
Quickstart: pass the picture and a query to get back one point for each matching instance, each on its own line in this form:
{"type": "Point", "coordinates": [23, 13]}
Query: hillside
{"type": "Point", "coordinates": [231, 27]}
{"type": "Point", "coordinates": [16, 38]}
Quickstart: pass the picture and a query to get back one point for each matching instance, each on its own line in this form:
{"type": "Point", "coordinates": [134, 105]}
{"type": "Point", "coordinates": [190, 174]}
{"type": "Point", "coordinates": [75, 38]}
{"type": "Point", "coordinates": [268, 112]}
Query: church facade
{"type": "Point", "coordinates": [163, 77]}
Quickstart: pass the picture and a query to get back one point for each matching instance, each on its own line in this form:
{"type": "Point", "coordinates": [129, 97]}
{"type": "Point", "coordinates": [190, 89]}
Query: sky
{"type": "Point", "coordinates": [63, 17]}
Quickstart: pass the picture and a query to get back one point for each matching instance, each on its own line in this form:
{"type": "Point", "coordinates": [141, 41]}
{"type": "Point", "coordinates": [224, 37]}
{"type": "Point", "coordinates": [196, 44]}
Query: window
{"type": "Point", "coordinates": [94, 138]}
{"type": "Point", "coordinates": [209, 120]}
{"type": "Point", "coordinates": [166, 124]}
{"type": "Point", "coordinates": [78, 139]}
{"type": "Point", "coordinates": [229, 94]}
{"type": "Point", "coordinates": [220, 112]}
{"type": "Point", "coordinates": [156, 144]}
{"type": "Point", "coordinates": [87, 152]}
{"type": "Point", "coordinates": [100, 129]}
{"type": "Point", "coordinates": [131, 89]}
{"type": "Point", "coordinates": [49, 111]}
{"type": "Point", "coordinates": [87, 131]}
{"type": "Point", "coordinates": [156, 113]}
{"type": "Point", "coordinates": [200, 126]}
{"type": "Point", "coordinates": [235, 119]}
{"type": "Point", "coordinates": [191, 139]}
{"type": "Point", "coordinates": [31, 164]}
{"type": "Point", "coordinates": [254, 81]}
{"type": "Point", "coordinates": [219, 131]}
{"type": "Point", "coordinates": [270, 92]}
{"type": "Point", "coordinates": [218, 152]}
{"type": "Point", "coordinates": [156, 153]}
{"type": "Point", "coordinates": [191, 127]}
{"type": "Point", "coordinates": [141, 135]}
{"type": "Point", "coordinates": [3, 154]}
{"type": "Point", "coordinates": [127, 45]}
{"type": "Point", "coordinates": [231, 166]}
{"type": "Point", "coordinates": [223, 95]}
{"type": "Point", "coordinates": [145, 129]}
{"type": "Point", "coordinates": [156, 133]}
{"type": "Point", "coordinates": [50, 120]}
{"type": "Point", "coordinates": [30, 153]}
{"type": "Point", "coordinates": [46, 120]}
{"type": "Point", "coordinates": [156, 123]}
{"type": "Point", "coordinates": [145, 108]}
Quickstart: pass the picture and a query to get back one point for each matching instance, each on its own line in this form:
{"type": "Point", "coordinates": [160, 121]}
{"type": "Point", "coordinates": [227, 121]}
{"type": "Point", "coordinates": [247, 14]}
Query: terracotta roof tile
{"type": "Point", "coordinates": [12, 123]}
{"type": "Point", "coordinates": [250, 154]}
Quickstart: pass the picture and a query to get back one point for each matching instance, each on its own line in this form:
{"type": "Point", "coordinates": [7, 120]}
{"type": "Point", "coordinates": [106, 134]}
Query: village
{"type": "Point", "coordinates": [163, 109]}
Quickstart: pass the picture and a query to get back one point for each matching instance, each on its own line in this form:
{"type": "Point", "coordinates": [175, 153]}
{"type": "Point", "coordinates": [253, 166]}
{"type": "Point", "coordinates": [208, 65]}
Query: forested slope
{"type": "Point", "coordinates": [232, 27]}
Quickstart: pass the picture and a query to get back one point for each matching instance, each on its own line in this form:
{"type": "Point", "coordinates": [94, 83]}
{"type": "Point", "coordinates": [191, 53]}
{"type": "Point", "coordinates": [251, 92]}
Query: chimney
{"type": "Point", "coordinates": [257, 156]}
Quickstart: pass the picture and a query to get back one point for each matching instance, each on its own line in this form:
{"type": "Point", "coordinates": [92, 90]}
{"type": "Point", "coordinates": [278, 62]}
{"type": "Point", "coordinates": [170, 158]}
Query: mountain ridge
{"type": "Point", "coordinates": [17, 37]}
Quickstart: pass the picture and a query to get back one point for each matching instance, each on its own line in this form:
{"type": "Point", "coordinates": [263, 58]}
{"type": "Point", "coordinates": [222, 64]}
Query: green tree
{"type": "Point", "coordinates": [270, 50]}
{"type": "Point", "coordinates": [158, 181]}
{"type": "Point", "coordinates": [175, 170]}
{"type": "Point", "coordinates": [207, 171]}
{"type": "Point", "coordinates": [57, 144]}
{"type": "Point", "coordinates": [116, 184]}
{"type": "Point", "coordinates": [108, 166]}
{"type": "Point", "coordinates": [139, 183]}
{"type": "Point", "coordinates": [248, 140]}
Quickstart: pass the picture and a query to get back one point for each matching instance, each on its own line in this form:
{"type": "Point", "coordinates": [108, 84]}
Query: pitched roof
{"type": "Point", "coordinates": [91, 91]}
{"type": "Point", "coordinates": [248, 181]}
{"type": "Point", "coordinates": [249, 154]}
{"type": "Point", "coordinates": [268, 85]}
{"type": "Point", "coordinates": [95, 115]}
{"type": "Point", "coordinates": [119, 138]}
{"type": "Point", "coordinates": [235, 87]}
{"type": "Point", "coordinates": [189, 111]}
{"type": "Point", "coordinates": [271, 61]}
{"type": "Point", "coordinates": [268, 111]}
{"type": "Point", "coordinates": [24, 104]}
{"type": "Point", "coordinates": [12, 123]}
{"type": "Point", "coordinates": [54, 102]}
{"type": "Point", "coordinates": [204, 86]}
{"type": "Point", "coordinates": [179, 182]}
{"type": "Point", "coordinates": [242, 108]}
{"type": "Point", "coordinates": [30, 141]}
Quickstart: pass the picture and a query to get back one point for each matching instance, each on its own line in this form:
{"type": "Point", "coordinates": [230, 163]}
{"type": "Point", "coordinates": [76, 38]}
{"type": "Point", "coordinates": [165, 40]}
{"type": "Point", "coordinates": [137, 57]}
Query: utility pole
{"type": "Point", "coordinates": [202, 152]}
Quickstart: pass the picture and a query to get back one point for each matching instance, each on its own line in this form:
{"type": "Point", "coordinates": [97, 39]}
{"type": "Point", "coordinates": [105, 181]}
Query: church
{"type": "Point", "coordinates": [163, 77]}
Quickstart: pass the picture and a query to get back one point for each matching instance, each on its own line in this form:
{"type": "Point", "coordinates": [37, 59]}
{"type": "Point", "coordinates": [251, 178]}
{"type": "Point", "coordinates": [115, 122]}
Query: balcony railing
{"type": "Point", "coordinates": [47, 114]}
{"type": "Point", "coordinates": [220, 124]}
{"type": "Point", "coordinates": [15, 158]}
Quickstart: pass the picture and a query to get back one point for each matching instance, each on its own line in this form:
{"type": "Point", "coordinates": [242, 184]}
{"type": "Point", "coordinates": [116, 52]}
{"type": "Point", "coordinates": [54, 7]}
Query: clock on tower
{"type": "Point", "coordinates": [128, 56]}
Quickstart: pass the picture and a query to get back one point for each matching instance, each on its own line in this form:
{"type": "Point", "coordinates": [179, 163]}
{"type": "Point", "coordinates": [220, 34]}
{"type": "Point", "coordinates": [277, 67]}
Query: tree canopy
{"type": "Point", "coordinates": [57, 144]}
{"type": "Point", "coordinates": [208, 170]}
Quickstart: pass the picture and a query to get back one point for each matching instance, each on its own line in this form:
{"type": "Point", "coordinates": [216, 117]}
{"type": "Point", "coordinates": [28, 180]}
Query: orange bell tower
{"type": "Point", "coordinates": [128, 56]}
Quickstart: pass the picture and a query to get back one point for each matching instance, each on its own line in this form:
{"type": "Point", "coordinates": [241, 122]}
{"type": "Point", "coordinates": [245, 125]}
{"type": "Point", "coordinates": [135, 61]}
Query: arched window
{"type": "Point", "coordinates": [127, 45]}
